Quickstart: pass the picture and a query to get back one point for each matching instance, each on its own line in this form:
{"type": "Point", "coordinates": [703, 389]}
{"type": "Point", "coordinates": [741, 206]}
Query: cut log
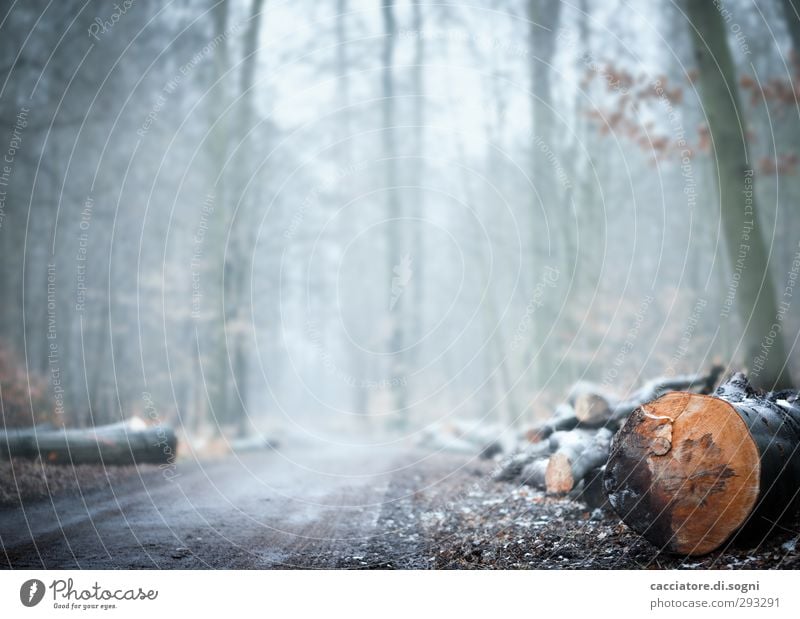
{"type": "Point", "coordinates": [511, 468]}
{"type": "Point", "coordinates": [575, 459]}
{"type": "Point", "coordinates": [600, 408]}
{"type": "Point", "coordinates": [116, 444]}
{"type": "Point", "coordinates": [583, 388]}
{"type": "Point", "coordinates": [689, 471]}
{"type": "Point", "coordinates": [564, 418]}
{"type": "Point", "coordinates": [595, 409]}
{"type": "Point", "coordinates": [533, 473]}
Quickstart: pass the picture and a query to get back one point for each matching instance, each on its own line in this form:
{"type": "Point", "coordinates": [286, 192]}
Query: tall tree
{"type": "Point", "coordinates": [397, 263]}
{"type": "Point", "coordinates": [418, 121]}
{"type": "Point", "coordinates": [238, 319]}
{"type": "Point", "coordinates": [543, 18]}
{"type": "Point", "coordinates": [791, 11]}
{"type": "Point", "coordinates": [213, 335]}
{"type": "Point", "coordinates": [755, 299]}
{"type": "Point", "coordinates": [358, 361]}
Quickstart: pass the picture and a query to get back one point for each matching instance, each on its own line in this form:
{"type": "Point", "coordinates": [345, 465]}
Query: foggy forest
{"type": "Point", "coordinates": [349, 238]}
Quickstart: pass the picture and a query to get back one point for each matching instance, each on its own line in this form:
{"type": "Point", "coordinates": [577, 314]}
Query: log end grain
{"type": "Point", "coordinates": [684, 472]}
{"type": "Point", "coordinates": [558, 477]}
{"type": "Point", "coordinates": [591, 408]}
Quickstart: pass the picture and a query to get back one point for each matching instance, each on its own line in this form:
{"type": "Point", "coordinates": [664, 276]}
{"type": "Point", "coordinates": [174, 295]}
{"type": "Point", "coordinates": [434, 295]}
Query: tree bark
{"type": "Point", "coordinates": [592, 493]}
{"type": "Point", "coordinates": [116, 444]}
{"type": "Point", "coordinates": [543, 22]}
{"type": "Point", "coordinates": [395, 261]}
{"type": "Point", "coordinates": [417, 77]}
{"type": "Point", "coordinates": [243, 231]}
{"type": "Point", "coordinates": [755, 298]}
{"type": "Point", "coordinates": [213, 341]}
{"type": "Point", "coordinates": [689, 471]}
{"type": "Point", "coordinates": [791, 12]}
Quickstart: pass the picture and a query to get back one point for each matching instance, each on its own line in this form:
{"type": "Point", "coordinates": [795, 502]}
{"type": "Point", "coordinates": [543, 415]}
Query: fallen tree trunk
{"type": "Point", "coordinates": [598, 408]}
{"type": "Point", "coordinates": [116, 444]}
{"type": "Point", "coordinates": [690, 471]}
{"type": "Point", "coordinates": [574, 459]}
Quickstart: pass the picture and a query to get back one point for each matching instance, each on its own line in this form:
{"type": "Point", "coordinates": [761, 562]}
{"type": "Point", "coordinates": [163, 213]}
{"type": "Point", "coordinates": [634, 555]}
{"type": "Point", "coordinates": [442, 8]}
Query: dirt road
{"type": "Point", "coordinates": [344, 507]}
{"type": "Point", "coordinates": [348, 508]}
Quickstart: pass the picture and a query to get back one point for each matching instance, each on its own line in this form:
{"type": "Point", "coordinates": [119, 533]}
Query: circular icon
{"type": "Point", "coordinates": [31, 592]}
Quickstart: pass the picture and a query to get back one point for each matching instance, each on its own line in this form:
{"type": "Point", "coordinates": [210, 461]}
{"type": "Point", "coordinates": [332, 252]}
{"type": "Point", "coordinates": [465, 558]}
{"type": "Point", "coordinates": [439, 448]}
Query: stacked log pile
{"type": "Point", "coordinates": [568, 452]}
{"type": "Point", "coordinates": [689, 472]}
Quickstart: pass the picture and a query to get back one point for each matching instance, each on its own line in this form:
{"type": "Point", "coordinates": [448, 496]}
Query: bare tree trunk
{"type": "Point", "coordinates": [417, 173]}
{"type": "Point", "coordinates": [213, 341]}
{"type": "Point", "coordinates": [755, 298]}
{"type": "Point", "coordinates": [243, 230]}
{"type": "Point", "coordinates": [544, 18]}
{"type": "Point", "coordinates": [396, 263]}
{"type": "Point", "coordinates": [358, 363]}
{"type": "Point", "coordinates": [791, 11]}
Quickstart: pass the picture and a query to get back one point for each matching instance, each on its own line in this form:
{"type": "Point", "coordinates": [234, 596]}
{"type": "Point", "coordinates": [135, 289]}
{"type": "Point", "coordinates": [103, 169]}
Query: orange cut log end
{"type": "Point", "coordinates": [684, 472]}
{"type": "Point", "coordinates": [558, 477]}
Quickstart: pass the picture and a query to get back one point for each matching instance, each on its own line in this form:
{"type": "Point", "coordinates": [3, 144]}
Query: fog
{"type": "Point", "coordinates": [360, 222]}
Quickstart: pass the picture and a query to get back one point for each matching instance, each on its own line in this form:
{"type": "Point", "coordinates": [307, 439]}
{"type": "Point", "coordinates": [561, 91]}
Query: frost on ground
{"type": "Point", "coordinates": [505, 526]}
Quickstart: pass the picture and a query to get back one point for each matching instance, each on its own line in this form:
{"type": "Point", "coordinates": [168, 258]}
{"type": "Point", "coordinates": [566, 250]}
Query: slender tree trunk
{"type": "Point", "coordinates": [342, 66]}
{"type": "Point", "coordinates": [791, 11]}
{"type": "Point", "coordinates": [755, 298]}
{"type": "Point", "coordinates": [242, 234]}
{"type": "Point", "coordinates": [579, 198]}
{"type": "Point", "coordinates": [396, 261]}
{"type": "Point", "coordinates": [417, 171]}
{"type": "Point", "coordinates": [214, 345]}
{"type": "Point", "coordinates": [358, 363]}
{"type": "Point", "coordinates": [544, 19]}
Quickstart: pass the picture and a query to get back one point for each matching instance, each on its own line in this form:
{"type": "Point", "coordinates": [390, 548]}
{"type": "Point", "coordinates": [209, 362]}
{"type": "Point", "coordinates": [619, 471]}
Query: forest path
{"type": "Point", "coordinates": [312, 508]}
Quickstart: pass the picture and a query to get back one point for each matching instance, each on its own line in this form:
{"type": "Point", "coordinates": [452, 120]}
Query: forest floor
{"type": "Point", "coordinates": [416, 510]}
{"type": "Point", "coordinates": [510, 527]}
